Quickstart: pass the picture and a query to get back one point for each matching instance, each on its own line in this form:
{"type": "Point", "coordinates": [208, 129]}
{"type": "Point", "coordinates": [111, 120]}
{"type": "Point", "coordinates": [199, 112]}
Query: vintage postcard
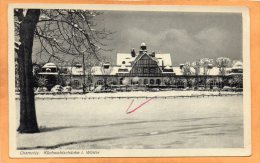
{"type": "Point", "coordinates": [128, 81]}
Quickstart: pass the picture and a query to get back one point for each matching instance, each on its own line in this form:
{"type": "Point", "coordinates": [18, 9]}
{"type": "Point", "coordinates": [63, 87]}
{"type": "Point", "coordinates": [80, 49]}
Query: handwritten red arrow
{"type": "Point", "coordinates": [138, 107]}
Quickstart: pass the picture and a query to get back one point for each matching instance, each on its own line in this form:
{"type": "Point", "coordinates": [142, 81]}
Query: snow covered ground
{"type": "Point", "coordinates": [209, 122]}
{"type": "Point", "coordinates": [134, 94]}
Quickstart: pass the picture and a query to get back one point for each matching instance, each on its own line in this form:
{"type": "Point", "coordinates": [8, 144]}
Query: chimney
{"type": "Point", "coordinates": [133, 52]}
{"type": "Point", "coordinates": [162, 65]}
{"type": "Point", "coordinates": [152, 54]}
{"type": "Point", "coordinates": [181, 65]}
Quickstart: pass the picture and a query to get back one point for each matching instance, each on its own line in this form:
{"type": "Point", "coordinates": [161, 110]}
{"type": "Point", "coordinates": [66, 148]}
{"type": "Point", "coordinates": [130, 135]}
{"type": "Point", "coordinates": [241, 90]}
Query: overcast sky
{"type": "Point", "coordinates": [186, 36]}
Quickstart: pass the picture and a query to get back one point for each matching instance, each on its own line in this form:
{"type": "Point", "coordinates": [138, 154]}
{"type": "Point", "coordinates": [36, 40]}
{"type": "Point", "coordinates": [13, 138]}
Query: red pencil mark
{"type": "Point", "coordinates": [138, 107]}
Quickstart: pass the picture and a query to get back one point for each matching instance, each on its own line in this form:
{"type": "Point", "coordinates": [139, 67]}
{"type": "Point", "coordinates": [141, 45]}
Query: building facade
{"type": "Point", "coordinates": [145, 69]}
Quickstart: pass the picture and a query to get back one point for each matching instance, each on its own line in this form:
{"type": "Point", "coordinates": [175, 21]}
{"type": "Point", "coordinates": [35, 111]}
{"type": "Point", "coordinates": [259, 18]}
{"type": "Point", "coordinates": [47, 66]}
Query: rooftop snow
{"type": "Point", "coordinates": [166, 58]}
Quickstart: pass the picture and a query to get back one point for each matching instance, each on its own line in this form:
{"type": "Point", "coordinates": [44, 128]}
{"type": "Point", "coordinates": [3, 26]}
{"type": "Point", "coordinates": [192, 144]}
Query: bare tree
{"type": "Point", "coordinates": [186, 70]}
{"type": "Point", "coordinates": [205, 63]}
{"type": "Point", "coordinates": [222, 63]}
{"type": "Point", "coordinates": [106, 70]}
{"type": "Point", "coordinates": [59, 32]}
{"type": "Point", "coordinates": [27, 24]}
{"type": "Point", "coordinates": [196, 66]}
{"type": "Point", "coordinates": [125, 82]}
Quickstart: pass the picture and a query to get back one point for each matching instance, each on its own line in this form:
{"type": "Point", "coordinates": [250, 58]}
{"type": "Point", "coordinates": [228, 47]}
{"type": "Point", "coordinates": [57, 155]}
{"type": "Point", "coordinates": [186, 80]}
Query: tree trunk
{"type": "Point", "coordinates": [205, 81]}
{"type": "Point", "coordinates": [28, 121]}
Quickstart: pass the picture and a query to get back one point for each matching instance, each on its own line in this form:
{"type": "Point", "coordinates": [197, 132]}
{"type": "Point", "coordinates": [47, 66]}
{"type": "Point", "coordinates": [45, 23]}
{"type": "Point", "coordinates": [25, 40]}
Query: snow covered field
{"type": "Point", "coordinates": [209, 122]}
{"type": "Point", "coordinates": [133, 94]}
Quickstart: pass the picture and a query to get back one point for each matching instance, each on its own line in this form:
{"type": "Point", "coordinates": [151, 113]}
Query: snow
{"type": "Point", "coordinates": [213, 71]}
{"type": "Point", "coordinates": [83, 17]}
{"type": "Point", "coordinates": [18, 22]}
{"type": "Point", "coordinates": [211, 122]}
{"type": "Point", "coordinates": [17, 43]}
{"type": "Point", "coordinates": [124, 57]}
{"type": "Point", "coordinates": [238, 65]}
{"type": "Point", "coordinates": [97, 70]}
{"type": "Point", "coordinates": [50, 65]}
{"type": "Point", "coordinates": [44, 17]}
{"type": "Point", "coordinates": [24, 12]}
{"type": "Point", "coordinates": [135, 94]}
{"type": "Point", "coordinates": [166, 58]}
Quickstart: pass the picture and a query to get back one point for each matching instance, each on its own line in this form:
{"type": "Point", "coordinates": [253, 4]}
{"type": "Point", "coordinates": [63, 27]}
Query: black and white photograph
{"type": "Point", "coordinates": [128, 81]}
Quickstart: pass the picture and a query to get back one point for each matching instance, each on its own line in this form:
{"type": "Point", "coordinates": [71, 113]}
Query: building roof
{"type": "Point", "coordinates": [48, 73]}
{"type": "Point", "coordinates": [49, 65]}
{"type": "Point", "coordinates": [124, 57]}
{"type": "Point", "coordinates": [166, 58]}
{"type": "Point", "coordinates": [97, 70]}
{"type": "Point", "coordinates": [76, 70]}
{"type": "Point", "coordinates": [213, 71]}
{"type": "Point", "coordinates": [113, 70]}
{"type": "Point", "coordinates": [238, 65]}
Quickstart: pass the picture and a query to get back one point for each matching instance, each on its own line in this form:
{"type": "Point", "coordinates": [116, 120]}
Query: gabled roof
{"type": "Point", "coordinates": [145, 54]}
{"type": "Point", "coordinates": [166, 58]}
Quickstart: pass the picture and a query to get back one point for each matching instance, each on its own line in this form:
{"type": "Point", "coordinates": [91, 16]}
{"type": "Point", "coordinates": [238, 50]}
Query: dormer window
{"type": "Point", "coordinates": [78, 65]}
{"type": "Point", "coordinates": [48, 70]}
{"type": "Point", "coordinates": [106, 66]}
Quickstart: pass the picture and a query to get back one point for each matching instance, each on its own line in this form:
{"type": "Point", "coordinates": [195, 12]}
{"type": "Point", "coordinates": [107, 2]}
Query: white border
{"type": "Point", "coordinates": [246, 151]}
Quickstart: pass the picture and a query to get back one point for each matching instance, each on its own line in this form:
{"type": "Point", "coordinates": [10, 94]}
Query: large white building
{"type": "Point", "coordinates": [143, 68]}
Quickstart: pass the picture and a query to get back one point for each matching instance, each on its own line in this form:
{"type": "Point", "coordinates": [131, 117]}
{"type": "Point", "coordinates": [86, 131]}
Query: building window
{"type": "Point", "coordinates": [151, 81]}
{"type": "Point", "coordinates": [139, 70]}
{"type": "Point", "coordinates": [213, 83]}
{"type": "Point", "coordinates": [99, 82]}
{"type": "Point", "coordinates": [152, 70]}
{"type": "Point", "coordinates": [146, 70]}
{"type": "Point", "coordinates": [76, 83]}
{"type": "Point", "coordinates": [158, 81]}
{"type": "Point", "coordinates": [121, 81]}
{"type": "Point", "coordinates": [113, 82]}
{"type": "Point", "coordinates": [180, 84]}
{"type": "Point", "coordinates": [145, 81]}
